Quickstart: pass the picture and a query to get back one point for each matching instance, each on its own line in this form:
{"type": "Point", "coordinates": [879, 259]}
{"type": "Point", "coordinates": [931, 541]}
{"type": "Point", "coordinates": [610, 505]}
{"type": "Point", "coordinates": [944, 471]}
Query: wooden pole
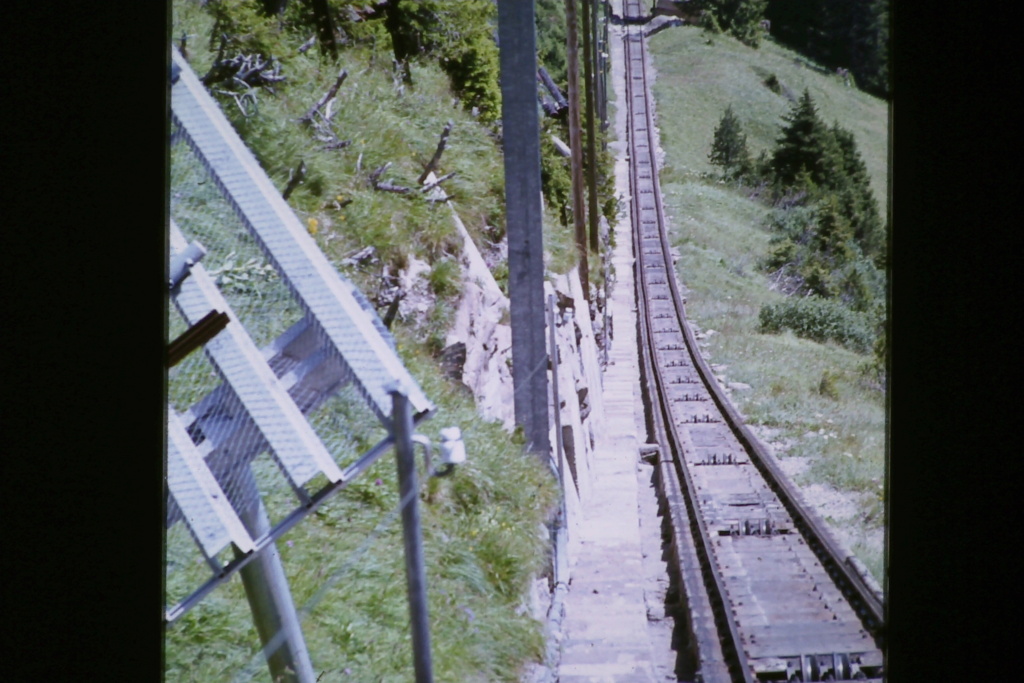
{"type": "Point", "coordinates": [589, 60]}
{"type": "Point", "coordinates": [579, 217]}
{"type": "Point", "coordinates": [524, 220]}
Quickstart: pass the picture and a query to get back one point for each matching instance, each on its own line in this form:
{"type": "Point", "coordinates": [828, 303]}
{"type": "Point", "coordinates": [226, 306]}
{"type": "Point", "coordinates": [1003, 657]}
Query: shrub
{"type": "Point", "coordinates": [729, 148]}
{"type": "Point", "coordinates": [445, 278]}
{"type": "Point", "coordinates": [474, 75]}
{"type": "Point", "coordinates": [820, 320]}
{"type": "Point", "coordinates": [828, 386]}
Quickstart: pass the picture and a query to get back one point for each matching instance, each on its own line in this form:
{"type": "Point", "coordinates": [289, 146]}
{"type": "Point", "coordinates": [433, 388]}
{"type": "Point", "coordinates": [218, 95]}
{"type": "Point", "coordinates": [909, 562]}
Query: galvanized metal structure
{"type": "Point", "coordinates": [262, 410]}
{"type": "Point", "coordinates": [769, 594]}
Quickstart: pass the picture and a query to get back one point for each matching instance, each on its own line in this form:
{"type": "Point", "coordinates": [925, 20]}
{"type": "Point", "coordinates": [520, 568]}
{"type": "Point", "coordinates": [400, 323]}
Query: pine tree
{"type": "Point", "coordinates": [805, 144]}
{"type": "Point", "coordinates": [739, 18]}
{"type": "Point", "coordinates": [729, 149]}
{"type": "Point", "coordinates": [853, 189]}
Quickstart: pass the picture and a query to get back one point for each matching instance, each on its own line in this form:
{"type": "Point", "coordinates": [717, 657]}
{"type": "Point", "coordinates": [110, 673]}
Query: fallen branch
{"type": "Point", "coordinates": [340, 144]}
{"type": "Point", "coordinates": [430, 186]}
{"type": "Point", "coordinates": [386, 186]}
{"type": "Point", "coordinates": [389, 316]}
{"type": "Point", "coordinates": [376, 173]}
{"type": "Point", "coordinates": [308, 44]}
{"type": "Point", "coordinates": [560, 100]}
{"type": "Point", "coordinates": [249, 71]}
{"type": "Point", "coordinates": [296, 177]}
{"type": "Point", "coordinates": [548, 105]}
{"type": "Point", "coordinates": [432, 164]}
{"type": "Point", "coordinates": [443, 199]}
{"type": "Point", "coordinates": [330, 94]}
{"type": "Point", "coordinates": [562, 148]}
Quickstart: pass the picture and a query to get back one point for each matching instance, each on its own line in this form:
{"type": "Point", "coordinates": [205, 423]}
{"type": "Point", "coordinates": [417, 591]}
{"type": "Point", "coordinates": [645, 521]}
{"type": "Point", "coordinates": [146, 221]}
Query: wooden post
{"type": "Point", "coordinates": [524, 220]}
{"type": "Point", "coordinates": [579, 218]}
{"type": "Point", "coordinates": [589, 61]}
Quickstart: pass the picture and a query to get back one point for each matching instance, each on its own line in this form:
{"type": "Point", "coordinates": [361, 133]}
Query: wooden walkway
{"type": "Point", "coordinates": [605, 623]}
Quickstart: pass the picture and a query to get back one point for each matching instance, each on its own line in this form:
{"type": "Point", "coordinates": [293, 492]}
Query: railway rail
{"type": "Point", "coordinates": [768, 594]}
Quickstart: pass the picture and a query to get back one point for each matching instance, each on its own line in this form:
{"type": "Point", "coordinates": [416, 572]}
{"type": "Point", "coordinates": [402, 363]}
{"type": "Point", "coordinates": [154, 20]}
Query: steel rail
{"type": "Point", "coordinates": [729, 637]}
{"type": "Point", "coordinates": [844, 570]}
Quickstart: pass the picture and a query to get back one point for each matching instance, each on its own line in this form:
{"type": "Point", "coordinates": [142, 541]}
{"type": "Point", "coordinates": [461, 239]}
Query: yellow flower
{"type": "Point", "coordinates": [312, 224]}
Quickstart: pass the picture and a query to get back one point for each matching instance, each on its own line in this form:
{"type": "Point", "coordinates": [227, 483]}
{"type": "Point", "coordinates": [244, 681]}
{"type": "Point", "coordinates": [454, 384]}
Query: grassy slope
{"type": "Point", "coordinates": [812, 395]}
{"type": "Point", "coordinates": [480, 532]}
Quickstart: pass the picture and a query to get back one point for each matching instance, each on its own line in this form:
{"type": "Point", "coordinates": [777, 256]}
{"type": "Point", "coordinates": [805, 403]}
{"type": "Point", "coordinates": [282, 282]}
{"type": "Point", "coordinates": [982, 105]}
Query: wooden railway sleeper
{"type": "Point", "coordinates": [836, 666]}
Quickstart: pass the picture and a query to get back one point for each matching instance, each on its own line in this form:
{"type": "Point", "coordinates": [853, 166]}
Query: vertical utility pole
{"type": "Point", "coordinates": [266, 589]}
{"type": "Point", "coordinates": [523, 219]}
{"type": "Point", "coordinates": [415, 572]}
{"type": "Point", "coordinates": [589, 62]}
{"type": "Point", "coordinates": [601, 20]}
{"type": "Point", "coordinates": [579, 218]}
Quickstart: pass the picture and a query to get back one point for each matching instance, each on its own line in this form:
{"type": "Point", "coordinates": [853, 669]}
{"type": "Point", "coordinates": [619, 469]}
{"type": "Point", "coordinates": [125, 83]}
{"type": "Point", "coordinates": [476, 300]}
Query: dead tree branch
{"type": "Point", "coordinates": [340, 144]}
{"type": "Point", "coordinates": [328, 96]}
{"type": "Point", "coordinates": [296, 177]}
{"type": "Point", "coordinates": [376, 173]}
{"type": "Point", "coordinates": [430, 186]}
{"type": "Point", "coordinates": [560, 100]}
{"type": "Point", "coordinates": [548, 104]}
{"type": "Point", "coordinates": [432, 164]}
{"type": "Point", "coordinates": [308, 44]}
{"type": "Point", "coordinates": [386, 185]}
{"type": "Point", "coordinates": [248, 71]}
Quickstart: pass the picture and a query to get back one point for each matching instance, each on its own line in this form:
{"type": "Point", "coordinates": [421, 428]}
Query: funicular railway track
{"type": "Point", "coordinates": [767, 593]}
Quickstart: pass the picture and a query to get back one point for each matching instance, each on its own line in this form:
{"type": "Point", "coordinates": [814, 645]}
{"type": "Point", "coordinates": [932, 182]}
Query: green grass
{"type": "Point", "coordinates": [701, 80]}
{"type": "Point", "coordinates": [482, 543]}
{"type": "Point", "coordinates": [798, 387]}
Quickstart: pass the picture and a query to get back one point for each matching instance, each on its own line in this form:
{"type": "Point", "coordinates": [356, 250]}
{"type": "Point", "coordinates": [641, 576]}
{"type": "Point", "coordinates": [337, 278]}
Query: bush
{"type": "Point", "coordinates": [474, 75]}
{"type": "Point", "coordinates": [820, 320]}
{"type": "Point", "coordinates": [444, 278]}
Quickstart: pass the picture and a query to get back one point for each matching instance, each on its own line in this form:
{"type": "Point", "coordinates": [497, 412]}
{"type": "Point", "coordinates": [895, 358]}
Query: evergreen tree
{"type": "Point", "coordinates": [853, 189]}
{"type": "Point", "coordinates": [461, 35]}
{"type": "Point", "coordinates": [739, 18]}
{"type": "Point", "coordinates": [874, 73]}
{"type": "Point", "coordinates": [729, 149]}
{"type": "Point", "coordinates": [806, 145]}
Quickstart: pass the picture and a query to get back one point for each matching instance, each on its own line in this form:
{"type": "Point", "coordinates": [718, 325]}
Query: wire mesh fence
{"type": "Point", "coordinates": [214, 417]}
{"type": "Point", "coordinates": [232, 444]}
{"type": "Point", "coordinates": [283, 400]}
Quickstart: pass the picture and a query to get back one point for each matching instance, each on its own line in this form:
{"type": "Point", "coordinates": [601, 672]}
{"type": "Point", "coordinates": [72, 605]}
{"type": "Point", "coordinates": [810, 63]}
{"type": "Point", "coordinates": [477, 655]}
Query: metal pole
{"type": "Point", "coordinates": [266, 588]}
{"type": "Point", "coordinates": [524, 219]}
{"type": "Point", "coordinates": [415, 573]}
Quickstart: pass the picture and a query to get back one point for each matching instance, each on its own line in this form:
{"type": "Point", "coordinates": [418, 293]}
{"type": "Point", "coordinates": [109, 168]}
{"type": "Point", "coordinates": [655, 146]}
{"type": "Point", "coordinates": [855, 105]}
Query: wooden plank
{"type": "Point", "coordinates": [297, 447]}
{"type": "Point", "coordinates": [196, 492]}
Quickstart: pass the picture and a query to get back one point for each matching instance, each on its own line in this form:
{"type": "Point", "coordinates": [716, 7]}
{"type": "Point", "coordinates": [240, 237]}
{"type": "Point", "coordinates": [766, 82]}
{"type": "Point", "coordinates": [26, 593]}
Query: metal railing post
{"type": "Point", "coordinates": [270, 598]}
{"type": "Point", "coordinates": [401, 419]}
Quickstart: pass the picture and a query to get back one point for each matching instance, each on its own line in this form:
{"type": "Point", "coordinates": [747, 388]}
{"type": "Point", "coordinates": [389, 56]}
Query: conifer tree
{"type": "Point", "coordinates": [729, 149]}
{"type": "Point", "coordinates": [739, 18]}
{"type": "Point", "coordinates": [805, 144]}
{"type": "Point", "coordinates": [853, 189]}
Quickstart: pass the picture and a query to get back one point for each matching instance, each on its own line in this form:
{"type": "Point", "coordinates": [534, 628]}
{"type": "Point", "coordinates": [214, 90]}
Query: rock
{"type": "Point", "coordinates": [453, 360]}
{"type": "Point", "coordinates": [739, 386]}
